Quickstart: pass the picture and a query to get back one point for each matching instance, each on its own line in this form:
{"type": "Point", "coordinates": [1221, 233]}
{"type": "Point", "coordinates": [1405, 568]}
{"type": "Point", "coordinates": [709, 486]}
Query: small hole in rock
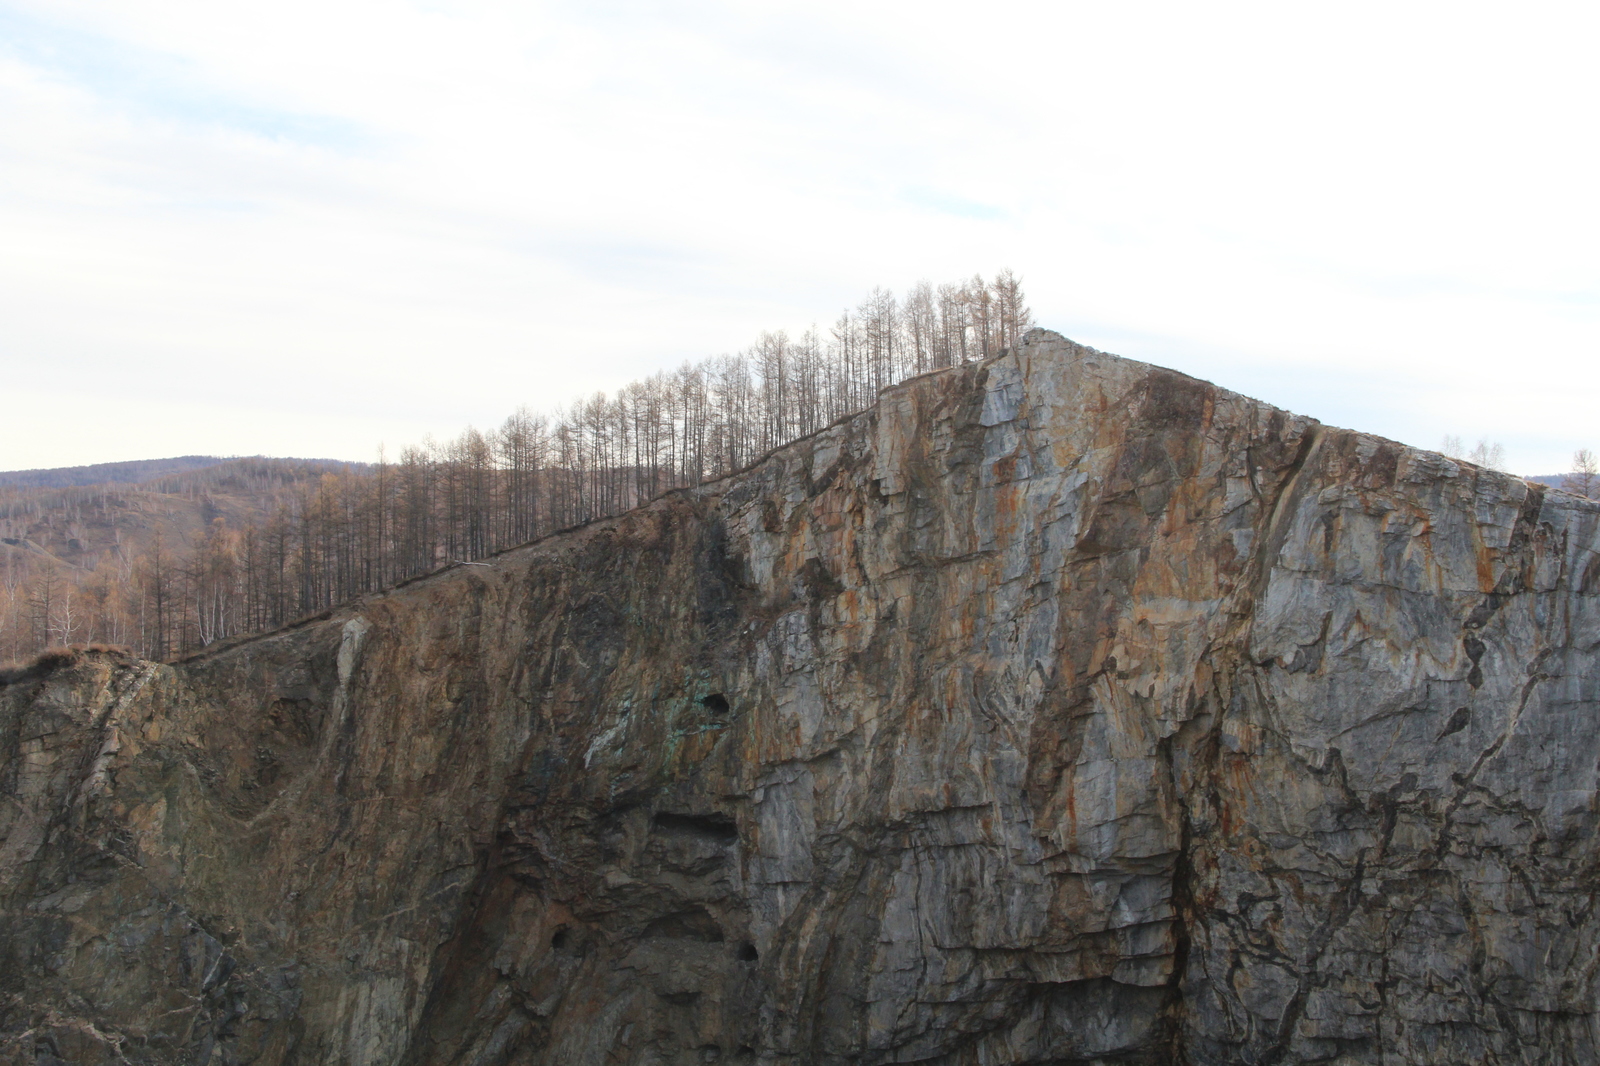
{"type": "Point", "coordinates": [713, 826]}
{"type": "Point", "coordinates": [561, 939]}
{"type": "Point", "coordinates": [748, 953]}
{"type": "Point", "coordinates": [716, 703]}
{"type": "Point", "coordinates": [710, 1053]}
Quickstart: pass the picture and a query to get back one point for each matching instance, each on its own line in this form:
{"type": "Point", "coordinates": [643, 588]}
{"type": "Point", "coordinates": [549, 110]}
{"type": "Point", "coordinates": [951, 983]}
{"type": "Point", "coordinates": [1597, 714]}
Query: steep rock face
{"type": "Point", "coordinates": [1059, 709]}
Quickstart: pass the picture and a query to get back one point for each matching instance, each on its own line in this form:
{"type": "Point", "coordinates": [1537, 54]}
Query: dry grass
{"type": "Point", "coordinates": [52, 659]}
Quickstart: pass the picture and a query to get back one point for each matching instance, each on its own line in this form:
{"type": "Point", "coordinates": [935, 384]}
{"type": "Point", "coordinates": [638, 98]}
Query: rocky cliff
{"type": "Point", "coordinates": [1060, 709]}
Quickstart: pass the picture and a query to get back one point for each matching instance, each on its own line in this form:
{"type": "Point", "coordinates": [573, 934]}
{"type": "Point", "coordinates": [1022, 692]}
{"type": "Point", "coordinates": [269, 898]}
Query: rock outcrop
{"type": "Point", "coordinates": [1059, 709]}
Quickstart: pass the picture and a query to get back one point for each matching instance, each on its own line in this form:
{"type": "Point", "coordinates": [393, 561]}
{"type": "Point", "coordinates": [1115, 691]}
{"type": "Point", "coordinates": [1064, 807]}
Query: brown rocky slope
{"type": "Point", "coordinates": [1060, 709]}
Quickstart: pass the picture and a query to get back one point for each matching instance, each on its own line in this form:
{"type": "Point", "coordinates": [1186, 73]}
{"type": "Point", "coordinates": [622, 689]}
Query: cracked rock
{"type": "Point", "coordinates": [1058, 709]}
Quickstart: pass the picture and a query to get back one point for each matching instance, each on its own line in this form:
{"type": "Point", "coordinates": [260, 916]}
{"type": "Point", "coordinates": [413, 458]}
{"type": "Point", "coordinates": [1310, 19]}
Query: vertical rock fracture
{"type": "Point", "coordinates": [1057, 709]}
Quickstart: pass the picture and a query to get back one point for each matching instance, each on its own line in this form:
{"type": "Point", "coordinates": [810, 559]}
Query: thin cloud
{"type": "Point", "coordinates": [947, 204]}
{"type": "Point", "coordinates": [154, 86]}
{"type": "Point", "coordinates": [407, 218]}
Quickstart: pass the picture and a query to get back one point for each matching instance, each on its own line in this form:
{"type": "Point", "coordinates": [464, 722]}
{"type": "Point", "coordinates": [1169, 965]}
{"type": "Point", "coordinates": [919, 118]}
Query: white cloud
{"type": "Point", "coordinates": [365, 222]}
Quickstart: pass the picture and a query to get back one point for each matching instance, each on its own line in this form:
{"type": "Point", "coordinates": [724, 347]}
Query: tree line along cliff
{"type": "Point", "coordinates": [1058, 708]}
{"type": "Point", "coordinates": [183, 561]}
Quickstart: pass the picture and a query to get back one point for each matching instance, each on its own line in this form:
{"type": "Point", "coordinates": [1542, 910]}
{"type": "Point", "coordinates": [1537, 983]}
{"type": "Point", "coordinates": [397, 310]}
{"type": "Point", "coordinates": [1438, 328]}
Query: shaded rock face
{"type": "Point", "coordinates": [1060, 709]}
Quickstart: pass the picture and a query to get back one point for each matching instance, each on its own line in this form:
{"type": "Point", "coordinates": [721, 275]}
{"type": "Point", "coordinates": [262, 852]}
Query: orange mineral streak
{"type": "Point", "coordinates": [876, 849]}
{"type": "Point", "coordinates": [1005, 512]}
{"type": "Point", "coordinates": [1485, 560]}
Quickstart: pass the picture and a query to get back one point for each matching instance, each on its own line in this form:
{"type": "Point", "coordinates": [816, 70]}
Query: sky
{"type": "Point", "coordinates": [315, 229]}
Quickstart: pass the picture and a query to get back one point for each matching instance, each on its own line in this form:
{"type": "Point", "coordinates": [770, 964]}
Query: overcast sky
{"type": "Point", "coordinates": [310, 228]}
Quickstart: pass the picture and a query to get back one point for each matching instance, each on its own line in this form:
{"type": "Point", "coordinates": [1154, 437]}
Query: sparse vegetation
{"type": "Point", "coordinates": [1491, 455]}
{"type": "Point", "coordinates": [1584, 480]}
{"type": "Point", "coordinates": [205, 553]}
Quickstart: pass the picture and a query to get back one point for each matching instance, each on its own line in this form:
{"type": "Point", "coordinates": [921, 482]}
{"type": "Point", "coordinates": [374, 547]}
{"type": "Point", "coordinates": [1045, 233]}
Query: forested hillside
{"type": "Point", "coordinates": [99, 563]}
{"type": "Point", "coordinates": [132, 473]}
{"type": "Point", "coordinates": [187, 559]}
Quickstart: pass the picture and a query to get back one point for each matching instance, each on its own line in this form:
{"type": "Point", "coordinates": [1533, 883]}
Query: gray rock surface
{"type": "Point", "coordinates": [1060, 709]}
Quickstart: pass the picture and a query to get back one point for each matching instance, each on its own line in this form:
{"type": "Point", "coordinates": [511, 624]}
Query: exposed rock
{"type": "Point", "coordinates": [1059, 709]}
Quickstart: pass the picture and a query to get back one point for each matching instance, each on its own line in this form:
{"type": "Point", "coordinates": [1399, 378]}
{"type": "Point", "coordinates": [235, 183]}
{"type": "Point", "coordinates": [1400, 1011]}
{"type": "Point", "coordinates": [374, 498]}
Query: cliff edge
{"type": "Point", "coordinates": [1059, 709]}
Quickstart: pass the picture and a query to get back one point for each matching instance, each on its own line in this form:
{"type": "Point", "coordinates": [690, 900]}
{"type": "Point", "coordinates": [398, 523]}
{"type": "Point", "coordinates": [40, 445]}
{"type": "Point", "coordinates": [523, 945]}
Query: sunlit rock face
{"type": "Point", "coordinates": [1059, 709]}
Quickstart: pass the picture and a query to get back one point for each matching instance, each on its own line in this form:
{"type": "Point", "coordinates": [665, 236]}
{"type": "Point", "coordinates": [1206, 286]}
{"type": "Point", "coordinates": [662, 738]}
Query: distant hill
{"type": "Point", "coordinates": [1555, 481]}
{"type": "Point", "coordinates": [77, 522]}
{"type": "Point", "coordinates": [250, 477]}
{"type": "Point", "coordinates": [129, 473]}
{"type": "Point", "coordinates": [79, 545]}
{"type": "Point", "coordinates": [168, 472]}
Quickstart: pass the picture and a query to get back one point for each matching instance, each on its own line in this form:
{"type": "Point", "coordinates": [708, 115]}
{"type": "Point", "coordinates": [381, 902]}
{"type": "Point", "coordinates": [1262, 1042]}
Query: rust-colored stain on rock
{"type": "Point", "coordinates": [1059, 709]}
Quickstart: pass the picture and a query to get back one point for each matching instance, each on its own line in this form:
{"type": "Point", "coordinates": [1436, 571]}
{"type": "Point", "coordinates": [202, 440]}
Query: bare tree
{"type": "Point", "coordinates": [63, 622]}
{"type": "Point", "coordinates": [1012, 309]}
{"type": "Point", "coordinates": [921, 318]}
{"type": "Point", "coordinates": [330, 535]}
{"type": "Point", "coordinates": [1584, 480]}
{"type": "Point", "coordinates": [47, 590]}
{"type": "Point", "coordinates": [1491, 455]}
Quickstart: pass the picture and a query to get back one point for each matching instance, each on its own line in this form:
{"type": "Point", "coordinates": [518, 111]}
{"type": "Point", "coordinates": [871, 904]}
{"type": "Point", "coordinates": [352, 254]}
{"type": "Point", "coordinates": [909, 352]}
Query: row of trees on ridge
{"type": "Point", "coordinates": [327, 538]}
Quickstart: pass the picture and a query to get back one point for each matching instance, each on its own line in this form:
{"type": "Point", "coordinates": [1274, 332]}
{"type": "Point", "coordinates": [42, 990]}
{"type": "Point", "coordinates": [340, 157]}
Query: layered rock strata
{"type": "Point", "coordinates": [1059, 709]}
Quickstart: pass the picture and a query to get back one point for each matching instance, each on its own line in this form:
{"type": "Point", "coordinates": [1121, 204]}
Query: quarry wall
{"type": "Point", "coordinates": [1058, 709]}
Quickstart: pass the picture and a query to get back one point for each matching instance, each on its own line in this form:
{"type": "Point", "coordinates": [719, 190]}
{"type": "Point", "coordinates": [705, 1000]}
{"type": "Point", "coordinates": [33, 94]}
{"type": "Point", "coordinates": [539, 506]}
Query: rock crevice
{"type": "Point", "coordinates": [1058, 709]}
